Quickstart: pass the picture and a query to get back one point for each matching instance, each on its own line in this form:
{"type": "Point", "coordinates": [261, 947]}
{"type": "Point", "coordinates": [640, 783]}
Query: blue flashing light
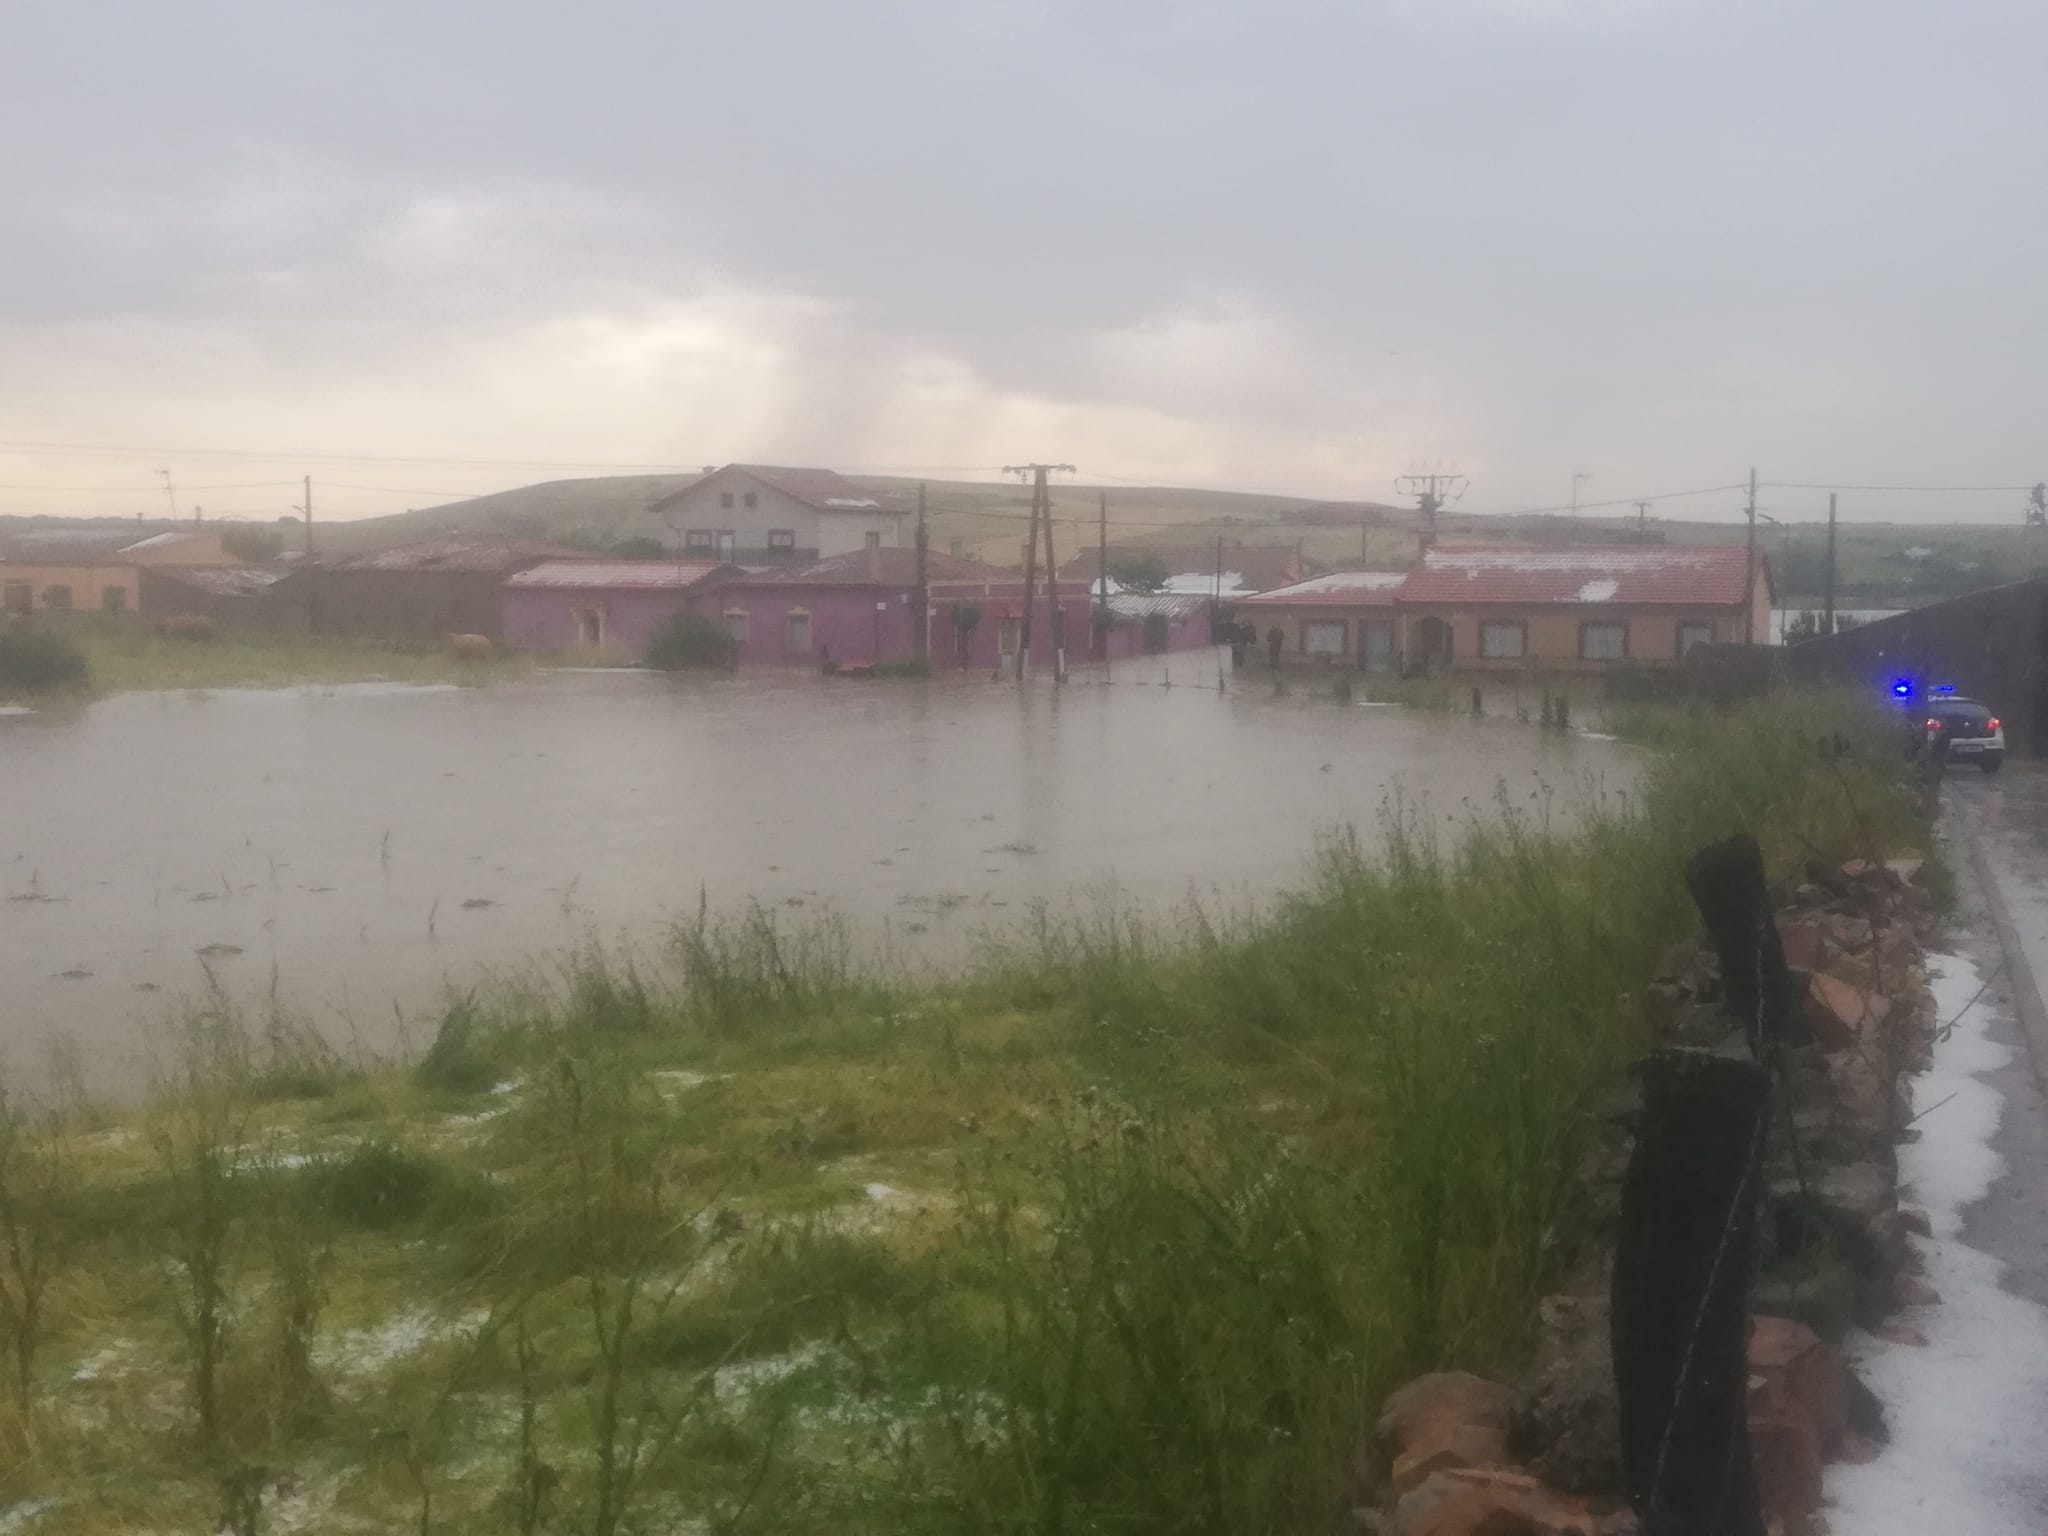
{"type": "Point", "coordinates": [1903, 688]}
{"type": "Point", "coordinates": [1946, 688]}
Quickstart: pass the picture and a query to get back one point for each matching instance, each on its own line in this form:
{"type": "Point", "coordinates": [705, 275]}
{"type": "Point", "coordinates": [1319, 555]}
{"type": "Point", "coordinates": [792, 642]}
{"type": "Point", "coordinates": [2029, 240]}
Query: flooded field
{"type": "Point", "coordinates": [362, 849]}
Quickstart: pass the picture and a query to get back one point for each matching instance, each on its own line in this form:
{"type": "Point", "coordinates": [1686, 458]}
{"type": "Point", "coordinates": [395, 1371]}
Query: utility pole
{"type": "Point", "coordinates": [308, 510]}
{"type": "Point", "coordinates": [1102, 575]}
{"type": "Point", "coordinates": [1642, 522]}
{"type": "Point", "coordinates": [1749, 569]}
{"type": "Point", "coordinates": [170, 492]}
{"type": "Point", "coordinates": [1041, 500]}
{"type": "Point", "coordinates": [921, 634]}
{"type": "Point", "coordinates": [1431, 493]}
{"type": "Point", "coordinates": [1827, 601]}
{"type": "Point", "coordinates": [1052, 594]}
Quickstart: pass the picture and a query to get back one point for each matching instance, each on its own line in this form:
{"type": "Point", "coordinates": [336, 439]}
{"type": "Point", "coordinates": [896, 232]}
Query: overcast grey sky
{"type": "Point", "coordinates": [1299, 245]}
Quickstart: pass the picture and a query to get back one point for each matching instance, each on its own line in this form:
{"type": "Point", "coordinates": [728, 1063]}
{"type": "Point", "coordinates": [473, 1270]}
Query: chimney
{"type": "Point", "coordinates": [874, 562]}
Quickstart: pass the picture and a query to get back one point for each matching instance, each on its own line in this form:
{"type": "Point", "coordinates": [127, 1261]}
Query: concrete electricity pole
{"type": "Point", "coordinates": [921, 632]}
{"type": "Point", "coordinates": [1827, 602]}
{"type": "Point", "coordinates": [1749, 569]}
{"type": "Point", "coordinates": [1101, 618]}
{"type": "Point", "coordinates": [1041, 506]}
{"type": "Point", "coordinates": [1642, 522]}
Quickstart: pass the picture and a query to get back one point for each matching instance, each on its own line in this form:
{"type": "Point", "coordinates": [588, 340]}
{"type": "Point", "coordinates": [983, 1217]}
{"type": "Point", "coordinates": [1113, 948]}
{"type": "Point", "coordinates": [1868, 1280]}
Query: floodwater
{"type": "Point", "coordinates": [363, 849]}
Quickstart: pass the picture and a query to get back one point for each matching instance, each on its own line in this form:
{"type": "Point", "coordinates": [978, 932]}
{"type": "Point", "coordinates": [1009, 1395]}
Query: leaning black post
{"type": "Point", "coordinates": [1726, 880]}
{"type": "Point", "coordinates": [1682, 1269]}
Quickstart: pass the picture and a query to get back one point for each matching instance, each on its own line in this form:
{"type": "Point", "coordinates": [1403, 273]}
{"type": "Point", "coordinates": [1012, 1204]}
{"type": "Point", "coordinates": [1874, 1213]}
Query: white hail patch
{"type": "Point", "coordinates": [1967, 1412]}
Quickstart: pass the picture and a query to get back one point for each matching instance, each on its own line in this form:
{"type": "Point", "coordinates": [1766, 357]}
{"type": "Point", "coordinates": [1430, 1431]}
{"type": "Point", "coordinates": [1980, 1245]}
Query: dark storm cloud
{"type": "Point", "coordinates": [1292, 243]}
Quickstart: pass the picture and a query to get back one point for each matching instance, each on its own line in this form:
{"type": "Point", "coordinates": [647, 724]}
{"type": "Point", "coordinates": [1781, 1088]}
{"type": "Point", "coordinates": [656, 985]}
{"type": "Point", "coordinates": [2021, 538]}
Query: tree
{"type": "Point", "coordinates": [691, 641]}
{"type": "Point", "coordinates": [966, 619]}
{"type": "Point", "coordinates": [1138, 573]}
{"type": "Point", "coordinates": [2037, 506]}
{"type": "Point", "coordinates": [255, 542]}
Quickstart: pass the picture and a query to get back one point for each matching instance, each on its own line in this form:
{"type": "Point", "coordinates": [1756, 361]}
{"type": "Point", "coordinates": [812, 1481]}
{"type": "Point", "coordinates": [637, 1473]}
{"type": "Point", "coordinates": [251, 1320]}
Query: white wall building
{"type": "Point", "coordinates": [756, 514]}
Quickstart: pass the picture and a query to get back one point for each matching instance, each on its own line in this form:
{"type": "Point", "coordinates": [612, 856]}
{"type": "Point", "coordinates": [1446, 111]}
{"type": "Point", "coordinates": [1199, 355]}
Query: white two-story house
{"type": "Point", "coordinates": [754, 514]}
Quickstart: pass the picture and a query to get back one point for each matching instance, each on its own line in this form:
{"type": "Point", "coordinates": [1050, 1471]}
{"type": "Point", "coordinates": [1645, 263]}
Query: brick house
{"type": "Point", "coordinates": [1500, 608]}
{"type": "Point", "coordinates": [611, 606]}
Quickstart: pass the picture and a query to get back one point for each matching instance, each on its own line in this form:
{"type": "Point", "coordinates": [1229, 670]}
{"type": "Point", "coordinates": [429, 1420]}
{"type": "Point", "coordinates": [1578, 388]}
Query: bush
{"type": "Point", "coordinates": [380, 1184]}
{"type": "Point", "coordinates": [688, 641]}
{"type": "Point", "coordinates": [36, 660]}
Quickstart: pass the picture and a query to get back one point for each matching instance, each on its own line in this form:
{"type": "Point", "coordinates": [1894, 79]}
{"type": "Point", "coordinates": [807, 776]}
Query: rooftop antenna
{"type": "Point", "coordinates": [171, 492]}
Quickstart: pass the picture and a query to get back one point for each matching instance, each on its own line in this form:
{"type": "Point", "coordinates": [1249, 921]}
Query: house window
{"type": "Point", "coordinates": [782, 543]}
{"type": "Point", "coordinates": [727, 544]}
{"type": "Point", "coordinates": [697, 539]}
{"type": "Point", "coordinates": [1376, 647]}
{"type": "Point", "coordinates": [114, 599]}
{"type": "Point", "coordinates": [1323, 637]}
{"type": "Point", "coordinates": [589, 628]}
{"type": "Point", "coordinates": [1503, 640]}
{"type": "Point", "coordinates": [1603, 642]}
{"type": "Point", "coordinates": [749, 500]}
{"type": "Point", "coordinates": [796, 633]}
{"type": "Point", "coordinates": [736, 625]}
{"type": "Point", "coordinates": [1690, 635]}
{"type": "Point", "coordinates": [725, 499]}
{"type": "Point", "coordinates": [874, 539]}
{"type": "Point", "coordinates": [56, 597]}
{"type": "Point", "coordinates": [17, 597]}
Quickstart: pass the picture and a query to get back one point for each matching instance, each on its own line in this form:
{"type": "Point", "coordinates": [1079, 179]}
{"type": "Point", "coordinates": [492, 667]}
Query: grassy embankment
{"type": "Point", "coordinates": [125, 658]}
{"type": "Point", "coordinates": [1126, 1229]}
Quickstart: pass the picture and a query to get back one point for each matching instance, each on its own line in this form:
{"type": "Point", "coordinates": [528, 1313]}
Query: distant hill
{"type": "Point", "coordinates": [1878, 564]}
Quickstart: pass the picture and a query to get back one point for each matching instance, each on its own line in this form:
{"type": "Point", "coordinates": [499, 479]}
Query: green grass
{"type": "Point", "coordinates": [1128, 1227]}
{"type": "Point", "coordinates": [130, 658]}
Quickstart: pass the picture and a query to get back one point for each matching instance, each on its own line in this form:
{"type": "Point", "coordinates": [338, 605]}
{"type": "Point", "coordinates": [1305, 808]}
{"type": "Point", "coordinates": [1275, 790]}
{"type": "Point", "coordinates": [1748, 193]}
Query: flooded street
{"type": "Point", "coordinates": [370, 846]}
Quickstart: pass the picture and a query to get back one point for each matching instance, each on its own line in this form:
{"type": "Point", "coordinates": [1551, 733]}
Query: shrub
{"type": "Point", "coordinates": [380, 1184]}
{"type": "Point", "coordinates": [34, 660]}
{"type": "Point", "coordinates": [689, 641]}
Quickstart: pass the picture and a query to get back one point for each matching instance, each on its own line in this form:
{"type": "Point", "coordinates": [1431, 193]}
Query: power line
{"type": "Point", "coordinates": [666, 466]}
{"type": "Point", "coordinates": [1911, 490]}
{"type": "Point", "coordinates": [150, 490]}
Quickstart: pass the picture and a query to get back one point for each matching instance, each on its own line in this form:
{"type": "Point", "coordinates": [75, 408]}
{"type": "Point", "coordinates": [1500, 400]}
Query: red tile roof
{"type": "Point", "coordinates": [1671, 575]}
{"type": "Point", "coordinates": [616, 575]}
{"type": "Point", "coordinates": [1346, 589]}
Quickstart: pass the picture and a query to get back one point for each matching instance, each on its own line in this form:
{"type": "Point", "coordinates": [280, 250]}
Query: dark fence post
{"type": "Point", "coordinates": [1682, 1270]}
{"type": "Point", "coordinates": [1726, 880]}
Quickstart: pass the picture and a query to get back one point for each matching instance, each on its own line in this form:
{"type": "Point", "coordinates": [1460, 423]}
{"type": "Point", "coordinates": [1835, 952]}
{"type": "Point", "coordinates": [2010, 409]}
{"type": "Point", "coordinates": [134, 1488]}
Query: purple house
{"type": "Point", "coordinates": [861, 607]}
{"type": "Point", "coordinates": [606, 606]}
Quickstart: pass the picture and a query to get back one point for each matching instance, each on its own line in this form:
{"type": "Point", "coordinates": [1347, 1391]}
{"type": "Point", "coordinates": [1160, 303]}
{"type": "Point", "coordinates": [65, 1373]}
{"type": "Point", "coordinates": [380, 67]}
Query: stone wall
{"type": "Point", "coordinates": [1455, 1455]}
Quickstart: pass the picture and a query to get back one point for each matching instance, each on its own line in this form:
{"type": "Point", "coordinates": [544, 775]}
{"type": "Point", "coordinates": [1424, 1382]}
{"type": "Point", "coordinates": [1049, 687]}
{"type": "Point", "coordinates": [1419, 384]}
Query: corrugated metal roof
{"type": "Point", "coordinates": [1352, 589]}
{"type": "Point", "coordinates": [616, 574]}
{"type": "Point", "coordinates": [476, 552]}
{"type": "Point", "coordinates": [220, 580]}
{"type": "Point", "coordinates": [1687, 575]}
{"type": "Point", "coordinates": [892, 567]}
{"type": "Point", "coordinates": [1249, 567]}
{"type": "Point", "coordinates": [1142, 605]}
